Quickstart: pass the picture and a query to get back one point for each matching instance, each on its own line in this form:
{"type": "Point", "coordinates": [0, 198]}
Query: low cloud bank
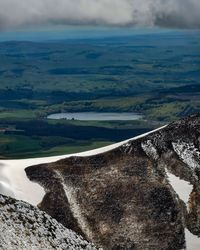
{"type": "Point", "coordinates": [163, 13]}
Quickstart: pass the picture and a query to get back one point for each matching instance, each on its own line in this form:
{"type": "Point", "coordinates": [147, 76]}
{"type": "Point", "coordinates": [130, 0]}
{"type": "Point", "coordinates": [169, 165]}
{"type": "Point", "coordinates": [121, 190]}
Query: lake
{"type": "Point", "coordinates": [96, 116]}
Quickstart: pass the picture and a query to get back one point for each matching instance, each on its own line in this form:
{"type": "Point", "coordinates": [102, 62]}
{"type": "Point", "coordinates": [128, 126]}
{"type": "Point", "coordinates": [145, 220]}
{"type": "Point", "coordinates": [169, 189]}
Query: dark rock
{"type": "Point", "coordinates": [122, 199]}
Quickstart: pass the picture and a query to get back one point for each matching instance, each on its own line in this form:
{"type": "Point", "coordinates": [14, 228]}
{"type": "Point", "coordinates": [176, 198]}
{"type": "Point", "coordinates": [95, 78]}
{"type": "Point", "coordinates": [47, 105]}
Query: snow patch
{"type": "Point", "coordinates": [71, 196]}
{"type": "Point", "coordinates": [188, 153]}
{"type": "Point", "coordinates": [6, 189]}
{"type": "Point", "coordinates": [150, 150]}
{"type": "Point", "coordinates": [183, 190]}
{"type": "Point", "coordinates": [181, 187]}
{"type": "Point", "coordinates": [192, 241]}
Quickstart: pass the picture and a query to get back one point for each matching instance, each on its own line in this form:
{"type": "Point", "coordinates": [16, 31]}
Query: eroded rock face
{"type": "Point", "coordinates": [122, 199]}
{"type": "Point", "coordinates": [25, 227]}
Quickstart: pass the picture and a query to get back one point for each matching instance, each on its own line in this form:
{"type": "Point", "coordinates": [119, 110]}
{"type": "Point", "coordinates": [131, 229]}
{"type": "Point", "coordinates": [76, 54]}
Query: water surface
{"type": "Point", "coordinates": [96, 116]}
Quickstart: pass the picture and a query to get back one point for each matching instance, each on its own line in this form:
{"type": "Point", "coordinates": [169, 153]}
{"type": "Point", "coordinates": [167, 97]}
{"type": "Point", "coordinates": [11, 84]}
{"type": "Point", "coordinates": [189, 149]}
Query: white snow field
{"type": "Point", "coordinates": [14, 182]}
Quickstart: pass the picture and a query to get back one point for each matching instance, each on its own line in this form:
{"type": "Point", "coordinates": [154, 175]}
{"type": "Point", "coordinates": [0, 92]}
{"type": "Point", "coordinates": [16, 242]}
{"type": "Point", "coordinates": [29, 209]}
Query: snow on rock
{"type": "Point", "coordinates": [181, 187]}
{"type": "Point", "coordinates": [188, 153]}
{"type": "Point", "coordinates": [149, 149]}
{"type": "Point", "coordinates": [192, 241]}
{"type": "Point", "coordinates": [183, 190]}
{"type": "Point", "coordinates": [75, 208]}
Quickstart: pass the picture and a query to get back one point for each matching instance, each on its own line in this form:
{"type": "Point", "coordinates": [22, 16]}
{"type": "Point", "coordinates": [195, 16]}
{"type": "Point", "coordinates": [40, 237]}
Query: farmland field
{"type": "Point", "coordinates": [156, 75]}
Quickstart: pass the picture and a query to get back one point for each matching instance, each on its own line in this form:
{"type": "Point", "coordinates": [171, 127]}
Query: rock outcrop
{"type": "Point", "coordinates": [123, 199]}
{"type": "Point", "coordinates": [25, 227]}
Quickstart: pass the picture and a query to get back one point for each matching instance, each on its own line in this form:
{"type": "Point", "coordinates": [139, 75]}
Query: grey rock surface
{"type": "Point", "coordinates": [24, 227]}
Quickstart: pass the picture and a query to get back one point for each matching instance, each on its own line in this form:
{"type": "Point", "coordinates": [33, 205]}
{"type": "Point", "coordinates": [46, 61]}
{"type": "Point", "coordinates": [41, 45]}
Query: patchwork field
{"type": "Point", "coordinates": [156, 75]}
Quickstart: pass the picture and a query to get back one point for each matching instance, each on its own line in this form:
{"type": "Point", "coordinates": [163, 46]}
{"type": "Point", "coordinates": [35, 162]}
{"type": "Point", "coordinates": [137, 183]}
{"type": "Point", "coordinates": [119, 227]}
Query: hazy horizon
{"type": "Point", "coordinates": [87, 32]}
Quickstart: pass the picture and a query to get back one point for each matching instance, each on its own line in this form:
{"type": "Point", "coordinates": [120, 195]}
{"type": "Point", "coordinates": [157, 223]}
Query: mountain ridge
{"type": "Point", "coordinates": [123, 198]}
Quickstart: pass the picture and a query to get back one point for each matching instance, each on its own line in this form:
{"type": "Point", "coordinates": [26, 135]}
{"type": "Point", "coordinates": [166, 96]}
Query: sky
{"type": "Point", "coordinates": [16, 14]}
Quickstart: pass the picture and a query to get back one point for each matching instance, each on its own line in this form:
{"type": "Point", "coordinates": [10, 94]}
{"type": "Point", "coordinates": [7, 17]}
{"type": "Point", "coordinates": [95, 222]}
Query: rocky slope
{"type": "Point", "coordinates": [25, 227]}
{"type": "Point", "coordinates": [123, 199]}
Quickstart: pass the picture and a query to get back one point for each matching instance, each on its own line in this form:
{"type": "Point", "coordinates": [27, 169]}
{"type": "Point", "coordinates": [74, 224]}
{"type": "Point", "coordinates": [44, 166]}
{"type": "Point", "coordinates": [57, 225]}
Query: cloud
{"type": "Point", "coordinates": [167, 13]}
